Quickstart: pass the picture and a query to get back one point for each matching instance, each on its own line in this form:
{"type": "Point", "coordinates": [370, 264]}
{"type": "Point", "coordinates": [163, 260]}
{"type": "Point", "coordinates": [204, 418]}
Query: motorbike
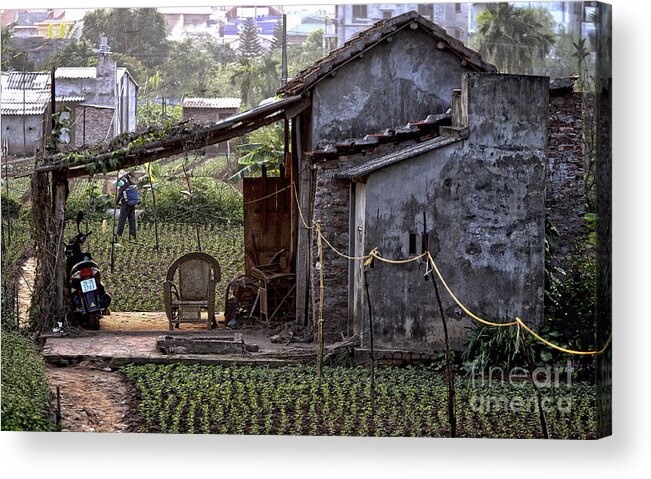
{"type": "Point", "coordinates": [88, 298]}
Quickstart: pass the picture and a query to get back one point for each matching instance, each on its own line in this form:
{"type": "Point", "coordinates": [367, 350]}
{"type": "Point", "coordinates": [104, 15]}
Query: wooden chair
{"type": "Point", "coordinates": [276, 289]}
{"type": "Point", "coordinates": [193, 291]}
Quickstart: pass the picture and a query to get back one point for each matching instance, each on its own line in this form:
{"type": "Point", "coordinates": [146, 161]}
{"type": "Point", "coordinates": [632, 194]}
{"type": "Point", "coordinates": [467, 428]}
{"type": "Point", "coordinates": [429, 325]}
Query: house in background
{"type": "Point", "coordinates": [102, 100]}
{"type": "Point", "coordinates": [205, 110]}
{"type": "Point", "coordinates": [108, 99]}
{"type": "Point", "coordinates": [453, 17]}
{"type": "Point", "coordinates": [25, 101]}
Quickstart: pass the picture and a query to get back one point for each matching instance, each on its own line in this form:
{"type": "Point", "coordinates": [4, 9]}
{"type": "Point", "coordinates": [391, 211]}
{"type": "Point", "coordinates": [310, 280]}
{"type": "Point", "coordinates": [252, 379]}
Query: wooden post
{"type": "Point", "coordinates": [59, 196]}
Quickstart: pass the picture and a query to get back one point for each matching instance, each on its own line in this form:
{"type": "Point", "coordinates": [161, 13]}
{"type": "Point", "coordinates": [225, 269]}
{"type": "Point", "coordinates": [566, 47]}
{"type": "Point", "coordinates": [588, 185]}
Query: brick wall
{"type": "Point", "coordinates": [331, 208]}
{"type": "Point", "coordinates": [565, 195]}
{"type": "Point", "coordinates": [93, 125]}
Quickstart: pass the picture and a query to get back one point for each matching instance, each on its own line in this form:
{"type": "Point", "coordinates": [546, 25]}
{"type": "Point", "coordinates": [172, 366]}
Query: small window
{"type": "Point", "coordinates": [412, 243]}
{"type": "Point", "coordinates": [457, 8]}
{"type": "Point", "coordinates": [360, 11]}
{"type": "Point", "coordinates": [387, 13]}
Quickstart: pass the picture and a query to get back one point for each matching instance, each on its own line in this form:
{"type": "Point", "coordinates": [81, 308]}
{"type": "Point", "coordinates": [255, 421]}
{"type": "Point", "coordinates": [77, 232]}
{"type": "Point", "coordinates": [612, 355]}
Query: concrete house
{"type": "Point", "coordinates": [25, 100]}
{"type": "Point", "coordinates": [203, 110]}
{"type": "Point", "coordinates": [102, 100]}
{"type": "Point", "coordinates": [404, 136]}
{"type": "Point", "coordinates": [108, 99]}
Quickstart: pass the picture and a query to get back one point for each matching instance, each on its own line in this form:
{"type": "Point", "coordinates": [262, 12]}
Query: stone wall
{"type": "Point", "coordinates": [565, 195]}
{"type": "Point", "coordinates": [403, 81]}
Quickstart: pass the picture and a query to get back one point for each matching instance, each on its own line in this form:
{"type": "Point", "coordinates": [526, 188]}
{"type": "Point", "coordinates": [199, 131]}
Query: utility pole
{"type": "Point", "coordinates": [283, 74]}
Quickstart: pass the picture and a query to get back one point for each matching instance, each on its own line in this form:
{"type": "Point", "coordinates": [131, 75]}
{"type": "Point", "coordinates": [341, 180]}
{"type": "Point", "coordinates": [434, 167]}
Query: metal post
{"type": "Point", "coordinates": [283, 77]}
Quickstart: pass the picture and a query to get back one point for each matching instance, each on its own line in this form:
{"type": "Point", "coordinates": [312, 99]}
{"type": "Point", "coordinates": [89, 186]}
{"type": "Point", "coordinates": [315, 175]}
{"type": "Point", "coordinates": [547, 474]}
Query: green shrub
{"type": "Point", "coordinates": [211, 202]}
{"type": "Point", "coordinates": [25, 391]}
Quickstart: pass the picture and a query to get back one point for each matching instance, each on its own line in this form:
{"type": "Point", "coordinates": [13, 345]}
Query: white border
{"type": "Point", "coordinates": [114, 456]}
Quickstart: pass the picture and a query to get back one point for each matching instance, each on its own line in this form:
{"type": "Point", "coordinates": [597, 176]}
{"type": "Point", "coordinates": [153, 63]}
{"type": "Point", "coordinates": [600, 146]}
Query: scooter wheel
{"type": "Point", "coordinates": [93, 323]}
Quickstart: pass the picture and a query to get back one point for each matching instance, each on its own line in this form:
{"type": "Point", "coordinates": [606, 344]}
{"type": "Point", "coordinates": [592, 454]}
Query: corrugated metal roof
{"type": "Point", "coordinates": [76, 72]}
{"type": "Point", "coordinates": [28, 80]}
{"type": "Point", "coordinates": [70, 99]}
{"type": "Point", "coordinates": [216, 103]}
{"type": "Point", "coordinates": [28, 102]}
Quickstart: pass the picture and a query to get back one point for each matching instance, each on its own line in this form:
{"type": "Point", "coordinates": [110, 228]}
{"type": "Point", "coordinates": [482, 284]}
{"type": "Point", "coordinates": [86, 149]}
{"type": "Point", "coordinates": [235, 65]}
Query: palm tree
{"type": "Point", "coordinates": [513, 37]}
{"type": "Point", "coordinates": [245, 75]}
{"type": "Point", "coordinates": [268, 76]}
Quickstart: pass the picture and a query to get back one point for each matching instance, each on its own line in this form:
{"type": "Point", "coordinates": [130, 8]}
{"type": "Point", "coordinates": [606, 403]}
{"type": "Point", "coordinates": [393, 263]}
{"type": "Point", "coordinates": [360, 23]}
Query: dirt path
{"type": "Point", "coordinates": [92, 400]}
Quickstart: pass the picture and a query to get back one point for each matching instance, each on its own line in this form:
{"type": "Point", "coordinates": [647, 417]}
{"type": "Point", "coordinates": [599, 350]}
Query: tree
{"type": "Point", "coordinates": [268, 76]}
{"type": "Point", "coordinates": [13, 59]}
{"type": "Point", "coordinates": [137, 32]}
{"type": "Point", "coordinates": [514, 38]}
{"type": "Point", "coordinates": [187, 71]}
{"type": "Point", "coordinates": [277, 41]}
{"type": "Point", "coordinates": [245, 75]}
{"type": "Point", "coordinates": [249, 41]}
{"type": "Point", "coordinates": [75, 54]}
{"type": "Point", "coordinates": [265, 148]}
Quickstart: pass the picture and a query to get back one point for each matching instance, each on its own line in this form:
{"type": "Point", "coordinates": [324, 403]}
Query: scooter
{"type": "Point", "coordinates": [88, 298]}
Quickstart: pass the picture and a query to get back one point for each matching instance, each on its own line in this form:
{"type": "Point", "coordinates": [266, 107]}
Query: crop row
{"type": "Point", "coordinates": [291, 401]}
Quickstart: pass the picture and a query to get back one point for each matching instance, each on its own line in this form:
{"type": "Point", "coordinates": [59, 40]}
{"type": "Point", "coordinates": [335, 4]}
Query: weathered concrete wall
{"type": "Point", "coordinates": [484, 202]}
{"type": "Point", "coordinates": [403, 81]}
{"type": "Point", "coordinates": [92, 125]}
{"type": "Point", "coordinates": [127, 105]}
{"type": "Point", "coordinates": [565, 198]}
{"type": "Point", "coordinates": [12, 129]}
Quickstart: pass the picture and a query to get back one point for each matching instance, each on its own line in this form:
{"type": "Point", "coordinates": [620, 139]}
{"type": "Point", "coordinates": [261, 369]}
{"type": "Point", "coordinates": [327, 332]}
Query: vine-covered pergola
{"type": "Point", "coordinates": [52, 172]}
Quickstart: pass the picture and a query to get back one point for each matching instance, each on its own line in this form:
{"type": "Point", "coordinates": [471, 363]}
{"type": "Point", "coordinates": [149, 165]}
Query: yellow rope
{"type": "Point", "coordinates": [265, 197]}
{"type": "Point", "coordinates": [375, 254]}
{"type": "Point", "coordinates": [560, 348]}
{"type": "Point", "coordinates": [298, 207]}
{"type": "Point", "coordinates": [466, 310]}
{"type": "Point", "coordinates": [518, 322]}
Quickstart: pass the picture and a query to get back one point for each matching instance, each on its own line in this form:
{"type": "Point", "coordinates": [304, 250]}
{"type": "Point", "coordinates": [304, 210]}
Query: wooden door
{"type": "Point", "coordinates": [267, 221]}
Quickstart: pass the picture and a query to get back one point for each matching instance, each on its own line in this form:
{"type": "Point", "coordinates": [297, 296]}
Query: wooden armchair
{"type": "Point", "coordinates": [193, 291]}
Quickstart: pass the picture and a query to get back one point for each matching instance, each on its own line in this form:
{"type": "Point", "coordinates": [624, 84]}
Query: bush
{"type": "Point", "coordinates": [25, 391]}
{"type": "Point", "coordinates": [212, 202]}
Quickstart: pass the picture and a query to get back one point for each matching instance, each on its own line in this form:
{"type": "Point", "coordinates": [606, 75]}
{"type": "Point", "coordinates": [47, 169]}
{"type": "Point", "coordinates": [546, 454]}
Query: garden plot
{"type": "Point", "coordinates": [292, 401]}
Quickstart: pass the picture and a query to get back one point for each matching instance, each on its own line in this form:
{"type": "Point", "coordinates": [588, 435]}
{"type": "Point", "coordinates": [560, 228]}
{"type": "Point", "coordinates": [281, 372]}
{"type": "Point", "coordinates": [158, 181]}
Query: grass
{"type": "Point", "coordinates": [25, 391]}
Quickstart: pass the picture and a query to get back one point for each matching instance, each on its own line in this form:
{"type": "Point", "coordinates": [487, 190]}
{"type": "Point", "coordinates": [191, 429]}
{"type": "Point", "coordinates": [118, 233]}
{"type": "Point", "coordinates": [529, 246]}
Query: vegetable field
{"type": "Point", "coordinates": [290, 401]}
{"type": "Point", "coordinates": [137, 281]}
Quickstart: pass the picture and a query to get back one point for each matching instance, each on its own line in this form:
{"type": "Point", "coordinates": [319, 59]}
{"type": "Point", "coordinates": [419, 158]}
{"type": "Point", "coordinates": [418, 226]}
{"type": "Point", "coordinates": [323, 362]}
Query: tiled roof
{"type": "Point", "coordinates": [75, 72]}
{"type": "Point", "coordinates": [28, 80]}
{"type": "Point", "coordinates": [216, 103]}
{"type": "Point", "coordinates": [415, 130]}
{"type": "Point", "coordinates": [371, 37]}
{"type": "Point", "coordinates": [364, 169]}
